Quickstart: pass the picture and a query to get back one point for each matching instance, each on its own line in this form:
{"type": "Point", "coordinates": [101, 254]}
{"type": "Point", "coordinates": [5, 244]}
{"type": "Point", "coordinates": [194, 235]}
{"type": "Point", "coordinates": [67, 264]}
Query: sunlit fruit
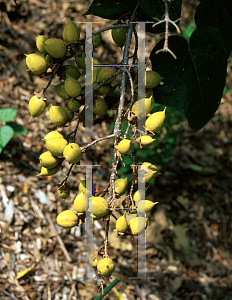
{"type": "Point", "coordinates": [48, 172]}
{"type": "Point", "coordinates": [81, 203]}
{"type": "Point", "coordinates": [124, 146]}
{"type": "Point", "coordinates": [36, 106]}
{"type": "Point", "coordinates": [93, 260]}
{"type": "Point", "coordinates": [106, 266]}
{"type": "Point", "coordinates": [121, 224]}
{"type": "Point", "coordinates": [56, 146]}
{"type": "Point", "coordinates": [36, 63]}
{"type": "Point", "coordinates": [67, 219]}
{"type": "Point", "coordinates": [155, 121]}
{"type": "Point", "coordinates": [53, 134]}
{"type": "Point", "coordinates": [142, 107]}
{"type": "Point", "coordinates": [47, 160]}
{"type": "Point", "coordinates": [58, 115]}
{"type": "Point", "coordinates": [145, 205]}
{"type": "Point", "coordinates": [146, 140]}
{"type": "Point", "coordinates": [137, 225]}
{"type": "Point", "coordinates": [99, 207]}
{"type": "Point", "coordinates": [40, 44]}
{"type": "Point", "coordinates": [72, 153]}
{"type": "Point", "coordinates": [120, 186]}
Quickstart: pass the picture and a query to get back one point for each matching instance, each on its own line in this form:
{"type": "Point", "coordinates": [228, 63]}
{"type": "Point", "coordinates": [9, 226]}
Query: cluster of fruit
{"type": "Point", "coordinates": [54, 53]}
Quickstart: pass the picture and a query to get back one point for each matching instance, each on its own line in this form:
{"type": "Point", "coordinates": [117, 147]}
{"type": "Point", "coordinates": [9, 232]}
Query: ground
{"type": "Point", "coordinates": [189, 231]}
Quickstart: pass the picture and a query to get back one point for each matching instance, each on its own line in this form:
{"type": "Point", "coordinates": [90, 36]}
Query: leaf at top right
{"type": "Point", "coordinates": [218, 14]}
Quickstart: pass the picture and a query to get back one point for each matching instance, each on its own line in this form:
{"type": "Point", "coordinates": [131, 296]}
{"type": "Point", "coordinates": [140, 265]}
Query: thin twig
{"type": "Point", "coordinates": [167, 20]}
{"type": "Point", "coordinates": [83, 149]}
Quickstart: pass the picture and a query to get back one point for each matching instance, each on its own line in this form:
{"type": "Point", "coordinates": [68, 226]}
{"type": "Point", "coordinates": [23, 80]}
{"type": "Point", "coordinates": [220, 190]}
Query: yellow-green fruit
{"type": "Point", "coordinates": [69, 113]}
{"type": "Point", "coordinates": [155, 121]}
{"type": "Point", "coordinates": [106, 266]}
{"type": "Point", "coordinates": [137, 225]}
{"type": "Point", "coordinates": [72, 87]}
{"type": "Point", "coordinates": [81, 203]}
{"type": "Point", "coordinates": [36, 106]}
{"type": "Point", "coordinates": [152, 79]}
{"type": "Point", "coordinates": [56, 146]}
{"type": "Point", "coordinates": [99, 207]}
{"type": "Point", "coordinates": [136, 196]}
{"type": "Point", "coordinates": [133, 210]}
{"type": "Point", "coordinates": [47, 160]}
{"type": "Point", "coordinates": [36, 63]}
{"type": "Point", "coordinates": [72, 153]}
{"type": "Point", "coordinates": [104, 90]}
{"type": "Point", "coordinates": [74, 105]}
{"type": "Point", "coordinates": [145, 206]}
{"type": "Point", "coordinates": [72, 71]}
{"type": "Point", "coordinates": [97, 39]}
{"type": "Point", "coordinates": [49, 172]}
{"type": "Point", "coordinates": [40, 43]}
{"type": "Point", "coordinates": [82, 188]}
{"type": "Point", "coordinates": [100, 106]}
{"type": "Point", "coordinates": [64, 193]}
{"type": "Point", "coordinates": [142, 105]}
{"type": "Point", "coordinates": [121, 224]}
{"type": "Point", "coordinates": [124, 146]}
{"type": "Point", "coordinates": [151, 171]}
{"type": "Point", "coordinates": [53, 134]}
{"type": "Point", "coordinates": [104, 72]}
{"type": "Point", "coordinates": [55, 47]}
{"type": "Point", "coordinates": [60, 89]}
{"type": "Point", "coordinates": [146, 140]}
{"type": "Point", "coordinates": [67, 219]}
{"type": "Point", "coordinates": [80, 61]}
{"type": "Point", "coordinates": [93, 260]}
{"type": "Point", "coordinates": [71, 32]}
{"type": "Point", "coordinates": [119, 36]}
{"type": "Point", "coordinates": [58, 115]}
{"type": "Point", "coordinates": [120, 186]}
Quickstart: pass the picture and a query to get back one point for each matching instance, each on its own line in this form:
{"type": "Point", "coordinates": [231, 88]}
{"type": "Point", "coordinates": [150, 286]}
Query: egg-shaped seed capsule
{"type": "Point", "coordinates": [56, 146]}
{"type": "Point", "coordinates": [81, 203]}
{"type": "Point", "coordinates": [58, 115]}
{"type": "Point", "coordinates": [53, 134]}
{"type": "Point", "coordinates": [121, 224]}
{"type": "Point", "coordinates": [55, 47]}
{"type": "Point", "coordinates": [155, 121]}
{"type": "Point", "coordinates": [47, 160]}
{"type": "Point", "coordinates": [100, 106]}
{"type": "Point", "coordinates": [64, 192]}
{"type": "Point", "coordinates": [67, 219]}
{"type": "Point", "coordinates": [106, 266]}
{"type": "Point", "coordinates": [146, 140]}
{"type": "Point", "coordinates": [72, 153]}
{"type": "Point", "coordinates": [152, 79]}
{"type": "Point", "coordinates": [72, 87]}
{"type": "Point", "coordinates": [120, 186]}
{"type": "Point", "coordinates": [40, 44]}
{"type": "Point", "coordinates": [119, 36]}
{"type": "Point", "coordinates": [36, 106]}
{"type": "Point", "coordinates": [104, 72]}
{"type": "Point", "coordinates": [98, 206]}
{"type": "Point", "coordinates": [137, 225]}
{"type": "Point", "coordinates": [145, 206]}
{"type": "Point", "coordinates": [140, 106]}
{"type": "Point", "coordinates": [124, 146]}
{"type": "Point", "coordinates": [49, 172]}
{"type": "Point", "coordinates": [71, 32]}
{"type": "Point", "coordinates": [36, 63]}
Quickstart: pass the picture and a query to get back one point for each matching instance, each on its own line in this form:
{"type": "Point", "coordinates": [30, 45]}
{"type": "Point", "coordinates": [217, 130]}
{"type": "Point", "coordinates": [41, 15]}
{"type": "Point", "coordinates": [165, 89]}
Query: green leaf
{"type": "Point", "coordinates": [155, 9]}
{"type": "Point", "coordinates": [111, 9]}
{"type": "Point", "coordinates": [7, 114]}
{"type": "Point", "coordinates": [218, 14]}
{"type": "Point", "coordinates": [193, 83]}
{"type": "Point", "coordinates": [6, 133]}
{"type": "Point", "coordinates": [18, 129]}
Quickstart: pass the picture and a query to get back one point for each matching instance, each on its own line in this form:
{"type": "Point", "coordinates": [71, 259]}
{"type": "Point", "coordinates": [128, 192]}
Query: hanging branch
{"type": "Point", "coordinates": [167, 20]}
